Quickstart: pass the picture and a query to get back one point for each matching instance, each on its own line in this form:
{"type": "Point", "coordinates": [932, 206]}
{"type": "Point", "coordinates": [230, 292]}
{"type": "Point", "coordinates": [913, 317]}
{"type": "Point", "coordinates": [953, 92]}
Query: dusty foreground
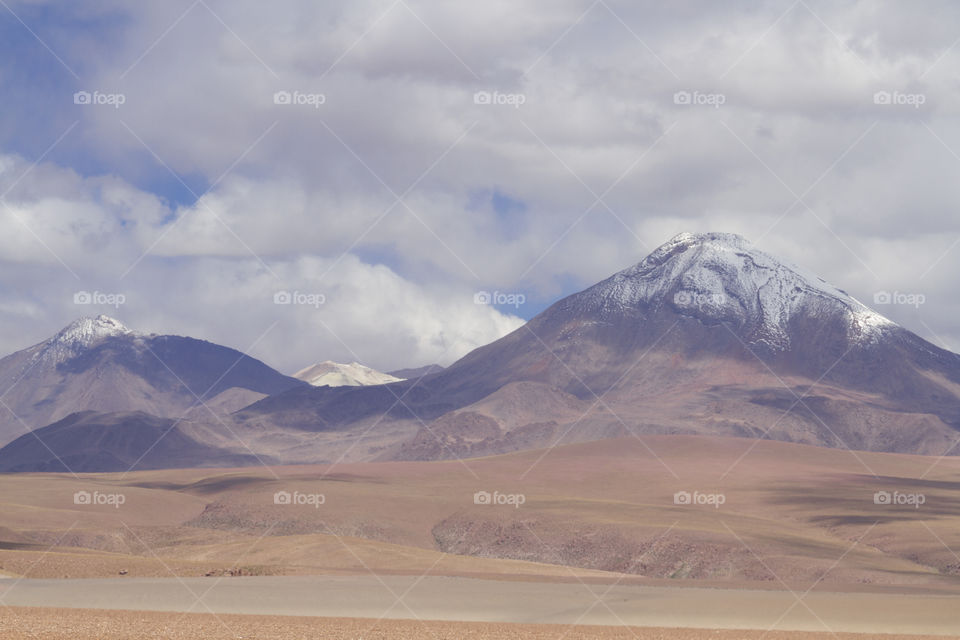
{"type": "Point", "coordinates": [53, 624]}
{"type": "Point", "coordinates": [495, 601]}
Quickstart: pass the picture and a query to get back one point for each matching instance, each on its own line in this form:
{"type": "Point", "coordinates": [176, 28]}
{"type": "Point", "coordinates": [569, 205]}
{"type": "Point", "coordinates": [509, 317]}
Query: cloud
{"type": "Point", "coordinates": [342, 310]}
{"type": "Point", "coordinates": [181, 270]}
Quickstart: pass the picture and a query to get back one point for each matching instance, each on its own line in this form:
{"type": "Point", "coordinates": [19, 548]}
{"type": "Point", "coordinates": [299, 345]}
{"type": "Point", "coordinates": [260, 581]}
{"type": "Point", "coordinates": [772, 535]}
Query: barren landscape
{"type": "Point", "coordinates": [68, 624]}
{"type": "Point", "coordinates": [596, 520]}
{"type": "Point", "coordinates": [791, 512]}
{"type": "Point", "coordinates": [512, 319]}
{"type": "Point", "coordinates": [541, 601]}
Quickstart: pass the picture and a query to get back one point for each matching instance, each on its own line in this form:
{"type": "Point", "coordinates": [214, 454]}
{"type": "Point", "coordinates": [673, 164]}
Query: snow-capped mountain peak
{"type": "Point", "coordinates": [80, 334]}
{"type": "Point", "coordinates": [721, 277]}
{"type": "Point", "coordinates": [90, 330]}
{"type": "Point", "coordinates": [335, 374]}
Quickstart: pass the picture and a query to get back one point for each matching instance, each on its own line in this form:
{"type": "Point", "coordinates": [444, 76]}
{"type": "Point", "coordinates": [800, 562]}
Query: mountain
{"type": "Point", "coordinates": [89, 441]}
{"type": "Point", "coordinates": [99, 364]}
{"type": "Point", "coordinates": [416, 372]}
{"type": "Point", "coordinates": [335, 374]}
{"type": "Point", "coordinates": [706, 335]}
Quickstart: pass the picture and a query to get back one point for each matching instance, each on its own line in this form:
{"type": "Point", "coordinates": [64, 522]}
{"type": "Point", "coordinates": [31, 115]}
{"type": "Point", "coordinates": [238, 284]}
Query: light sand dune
{"type": "Point", "coordinates": [473, 600]}
{"type": "Point", "coordinates": [77, 624]}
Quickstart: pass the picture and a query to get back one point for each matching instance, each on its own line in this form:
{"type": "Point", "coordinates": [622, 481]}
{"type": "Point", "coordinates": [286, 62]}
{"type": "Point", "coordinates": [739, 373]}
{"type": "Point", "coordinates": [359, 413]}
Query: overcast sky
{"type": "Point", "coordinates": [392, 158]}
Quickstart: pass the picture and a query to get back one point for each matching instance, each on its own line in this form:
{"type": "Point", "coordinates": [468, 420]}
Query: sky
{"type": "Point", "coordinates": [344, 180]}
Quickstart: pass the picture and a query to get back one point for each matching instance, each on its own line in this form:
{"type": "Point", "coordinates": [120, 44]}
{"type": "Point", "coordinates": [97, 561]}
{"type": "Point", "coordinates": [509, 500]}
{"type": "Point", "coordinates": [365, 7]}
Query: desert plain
{"type": "Point", "coordinates": [585, 540]}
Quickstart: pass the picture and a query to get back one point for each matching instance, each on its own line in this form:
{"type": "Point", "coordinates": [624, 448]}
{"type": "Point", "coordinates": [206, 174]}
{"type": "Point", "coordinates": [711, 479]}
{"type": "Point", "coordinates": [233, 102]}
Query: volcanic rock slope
{"type": "Point", "coordinates": [707, 335]}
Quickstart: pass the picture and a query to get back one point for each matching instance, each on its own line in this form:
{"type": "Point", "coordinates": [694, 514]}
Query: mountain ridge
{"type": "Point", "coordinates": [707, 335]}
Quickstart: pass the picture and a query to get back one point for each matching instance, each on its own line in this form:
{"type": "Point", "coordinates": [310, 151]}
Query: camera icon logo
{"type": "Point", "coordinates": [682, 497]}
{"type": "Point", "coordinates": [882, 497]}
{"type": "Point", "coordinates": [683, 298]}
{"type": "Point", "coordinates": [82, 97]}
{"type": "Point", "coordinates": [282, 97]}
{"type": "Point", "coordinates": [82, 497]}
{"type": "Point", "coordinates": [482, 497]}
{"type": "Point", "coordinates": [682, 97]}
{"type": "Point", "coordinates": [282, 497]}
{"type": "Point", "coordinates": [482, 97]}
{"type": "Point", "coordinates": [882, 97]}
{"type": "Point", "coordinates": [882, 297]}
{"type": "Point", "coordinates": [82, 297]}
{"type": "Point", "coordinates": [282, 297]}
{"type": "Point", "coordinates": [482, 297]}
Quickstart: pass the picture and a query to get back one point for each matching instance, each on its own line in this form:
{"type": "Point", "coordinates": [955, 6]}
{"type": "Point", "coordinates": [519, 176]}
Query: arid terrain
{"type": "Point", "coordinates": [762, 516]}
{"type": "Point", "coordinates": [540, 601]}
{"type": "Point", "coordinates": [516, 319]}
{"type": "Point", "coordinates": [790, 513]}
{"type": "Point", "coordinates": [67, 624]}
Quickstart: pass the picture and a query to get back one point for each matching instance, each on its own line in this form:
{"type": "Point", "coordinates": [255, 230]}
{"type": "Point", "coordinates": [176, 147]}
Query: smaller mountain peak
{"type": "Point", "coordinates": [336, 374]}
{"type": "Point", "coordinates": [80, 334]}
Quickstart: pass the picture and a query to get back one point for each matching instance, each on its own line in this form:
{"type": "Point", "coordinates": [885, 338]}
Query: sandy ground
{"type": "Point", "coordinates": [474, 600]}
{"type": "Point", "coordinates": [67, 624]}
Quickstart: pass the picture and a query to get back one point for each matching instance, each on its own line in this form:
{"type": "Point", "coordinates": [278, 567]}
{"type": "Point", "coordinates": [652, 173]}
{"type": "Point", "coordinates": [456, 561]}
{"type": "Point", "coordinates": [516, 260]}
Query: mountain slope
{"type": "Point", "coordinates": [416, 372]}
{"type": "Point", "coordinates": [89, 441]}
{"type": "Point", "coordinates": [99, 364]}
{"type": "Point", "coordinates": [705, 335]}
